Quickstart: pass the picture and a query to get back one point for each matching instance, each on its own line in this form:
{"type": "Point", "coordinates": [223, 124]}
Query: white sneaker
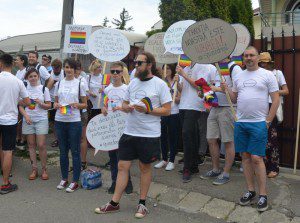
{"type": "Point", "coordinates": [72, 187]}
{"type": "Point", "coordinates": [161, 164]}
{"type": "Point", "coordinates": [170, 166]}
{"type": "Point", "coordinates": [62, 184]}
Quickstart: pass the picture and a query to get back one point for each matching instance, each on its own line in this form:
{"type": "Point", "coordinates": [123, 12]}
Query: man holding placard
{"type": "Point", "coordinates": [251, 89]}
{"type": "Point", "coordinates": [146, 99]}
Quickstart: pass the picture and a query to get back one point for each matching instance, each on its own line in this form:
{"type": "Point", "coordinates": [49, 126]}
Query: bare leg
{"type": "Point", "coordinates": [260, 172]}
{"type": "Point", "coordinates": [31, 147]}
{"type": "Point", "coordinates": [146, 174]}
{"type": "Point", "coordinates": [6, 165]}
{"type": "Point", "coordinates": [41, 143]}
{"type": "Point", "coordinates": [248, 170]}
{"type": "Point", "coordinates": [122, 179]}
{"type": "Point", "coordinates": [229, 156]}
{"type": "Point", "coordinates": [215, 153]}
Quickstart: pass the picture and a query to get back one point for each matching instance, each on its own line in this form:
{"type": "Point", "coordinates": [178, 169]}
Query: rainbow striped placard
{"type": "Point", "coordinates": [148, 103]}
{"type": "Point", "coordinates": [224, 69]}
{"type": "Point", "coordinates": [106, 79]}
{"type": "Point", "coordinates": [184, 61]}
{"type": "Point", "coordinates": [65, 110]}
{"type": "Point", "coordinates": [77, 37]}
{"type": "Point", "coordinates": [238, 60]}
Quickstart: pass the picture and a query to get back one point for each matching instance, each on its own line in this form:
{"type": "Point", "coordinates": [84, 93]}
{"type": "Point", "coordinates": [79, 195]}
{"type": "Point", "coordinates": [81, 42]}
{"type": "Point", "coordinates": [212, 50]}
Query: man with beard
{"type": "Point", "coordinates": [141, 138]}
{"type": "Point", "coordinates": [251, 90]}
{"type": "Point", "coordinates": [44, 74]}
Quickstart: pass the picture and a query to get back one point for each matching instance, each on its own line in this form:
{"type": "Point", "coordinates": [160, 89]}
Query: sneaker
{"type": "Point", "coordinates": [72, 187]}
{"type": "Point", "coordinates": [129, 188]}
{"type": "Point", "coordinates": [111, 190]}
{"type": "Point", "coordinates": [247, 198]}
{"type": "Point", "coordinates": [221, 179]}
{"type": "Point", "coordinates": [170, 166]}
{"type": "Point", "coordinates": [107, 208]}
{"type": "Point", "coordinates": [186, 177]}
{"type": "Point", "coordinates": [210, 174]}
{"type": "Point", "coordinates": [201, 160]}
{"type": "Point", "coordinates": [54, 143]}
{"type": "Point", "coordinates": [21, 145]}
{"type": "Point", "coordinates": [141, 211]}
{"type": "Point", "coordinates": [5, 189]}
{"type": "Point", "coordinates": [161, 164]}
{"type": "Point", "coordinates": [262, 204]}
{"type": "Point", "coordinates": [62, 184]}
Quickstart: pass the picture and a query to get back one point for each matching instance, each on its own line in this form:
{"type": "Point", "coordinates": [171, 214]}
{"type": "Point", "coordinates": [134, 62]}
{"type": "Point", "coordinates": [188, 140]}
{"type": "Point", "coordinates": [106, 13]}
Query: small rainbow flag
{"type": "Point", "coordinates": [184, 61]}
{"type": "Point", "coordinates": [106, 79]}
{"type": "Point", "coordinates": [32, 104]}
{"type": "Point", "coordinates": [224, 69]}
{"type": "Point", "coordinates": [65, 110]}
{"type": "Point", "coordinates": [105, 99]}
{"type": "Point", "coordinates": [77, 37]}
{"type": "Point", "coordinates": [148, 103]}
{"type": "Point", "coordinates": [238, 60]}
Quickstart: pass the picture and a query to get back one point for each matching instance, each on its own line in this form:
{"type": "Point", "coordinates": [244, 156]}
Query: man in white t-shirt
{"type": "Point", "coordinates": [251, 89]}
{"type": "Point", "coordinates": [141, 138]}
{"type": "Point", "coordinates": [193, 116]}
{"type": "Point", "coordinates": [11, 89]}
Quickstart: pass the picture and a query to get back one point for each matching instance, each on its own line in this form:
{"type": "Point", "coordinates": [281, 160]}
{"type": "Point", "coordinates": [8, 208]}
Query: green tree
{"type": "Point", "coordinates": [105, 22]}
{"type": "Point", "coordinates": [152, 32]}
{"type": "Point", "coordinates": [220, 9]}
{"type": "Point", "coordinates": [121, 23]}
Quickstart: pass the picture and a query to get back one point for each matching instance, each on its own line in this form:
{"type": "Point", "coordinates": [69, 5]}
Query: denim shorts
{"type": "Point", "coordinates": [251, 137]}
{"type": "Point", "coordinates": [38, 128]}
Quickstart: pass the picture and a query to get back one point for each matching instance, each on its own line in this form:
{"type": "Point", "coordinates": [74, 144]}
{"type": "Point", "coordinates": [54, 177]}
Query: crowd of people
{"type": "Point", "coordinates": [59, 95]}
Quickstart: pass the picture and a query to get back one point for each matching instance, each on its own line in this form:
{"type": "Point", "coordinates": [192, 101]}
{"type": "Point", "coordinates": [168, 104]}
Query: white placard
{"type": "Point", "coordinates": [155, 45]}
{"type": "Point", "coordinates": [104, 132]}
{"type": "Point", "coordinates": [243, 39]}
{"type": "Point", "coordinates": [76, 39]}
{"type": "Point", "coordinates": [108, 45]}
{"type": "Point", "coordinates": [209, 41]}
{"type": "Point", "coordinates": [173, 36]}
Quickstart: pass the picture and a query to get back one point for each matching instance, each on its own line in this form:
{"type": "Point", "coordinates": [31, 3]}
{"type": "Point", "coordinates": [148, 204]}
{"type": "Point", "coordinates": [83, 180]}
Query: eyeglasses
{"type": "Point", "coordinates": [45, 58]}
{"type": "Point", "coordinates": [250, 55]}
{"type": "Point", "coordinates": [139, 62]}
{"type": "Point", "coordinates": [115, 71]}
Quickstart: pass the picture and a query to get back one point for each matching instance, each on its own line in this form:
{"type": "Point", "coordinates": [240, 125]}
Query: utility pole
{"type": "Point", "coordinates": [67, 18]}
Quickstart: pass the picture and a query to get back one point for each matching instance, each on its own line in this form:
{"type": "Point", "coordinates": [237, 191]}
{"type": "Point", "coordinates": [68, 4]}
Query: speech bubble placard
{"type": "Point", "coordinates": [104, 132]}
{"type": "Point", "coordinates": [108, 45]}
{"type": "Point", "coordinates": [209, 41]}
{"type": "Point", "coordinates": [243, 39]}
{"type": "Point", "coordinates": [173, 36]}
{"type": "Point", "coordinates": [155, 45]}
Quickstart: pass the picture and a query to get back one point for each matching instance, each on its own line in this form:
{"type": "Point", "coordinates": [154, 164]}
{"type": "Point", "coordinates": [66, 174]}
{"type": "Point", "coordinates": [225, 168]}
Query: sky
{"type": "Point", "coordinates": [33, 16]}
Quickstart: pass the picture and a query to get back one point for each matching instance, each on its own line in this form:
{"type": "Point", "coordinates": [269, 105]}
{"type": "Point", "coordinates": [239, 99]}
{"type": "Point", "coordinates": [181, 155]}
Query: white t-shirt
{"type": "Point", "coordinates": [132, 74]}
{"type": "Point", "coordinates": [189, 99]}
{"type": "Point", "coordinates": [115, 95]}
{"type": "Point", "coordinates": [174, 106]}
{"type": "Point", "coordinates": [280, 80]}
{"type": "Point", "coordinates": [140, 124]}
{"type": "Point", "coordinates": [44, 74]}
{"type": "Point", "coordinates": [68, 93]}
{"type": "Point", "coordinates": [11, 89]}
{"type": "Point", "coordinates": [36, 92]}
{"type": "Point", "coordinates": [222, 100]}
{"type": "Point", "coordinates": [56, 78]}
{"type": "Point", "coordinates": [21, 74]}
{"type": "Point", "coordinates": [253, 88]}
{"type": "Point", "coordinates": [95, 84]}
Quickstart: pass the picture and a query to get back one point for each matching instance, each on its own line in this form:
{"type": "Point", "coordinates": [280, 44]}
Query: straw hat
{"type": "Point", "coordinates": [265, 57]}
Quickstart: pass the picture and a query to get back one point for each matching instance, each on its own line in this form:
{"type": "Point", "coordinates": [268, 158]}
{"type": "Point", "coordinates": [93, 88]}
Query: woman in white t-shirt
{"type": "Point", "coordinates": [94, 80]}
{"type": "Point", "coordinates": [35, 121]}
{"type": "Point", "coordinates": [70, 98]}
{"type": "Point", "coordinates": [170, 125]}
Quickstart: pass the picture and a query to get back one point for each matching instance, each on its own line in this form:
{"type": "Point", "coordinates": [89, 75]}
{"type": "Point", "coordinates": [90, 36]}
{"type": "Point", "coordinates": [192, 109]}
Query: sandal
{"type": "Point", "coordinates": [45, 175]}
{"type": "Point", "coordinates": [33, 175]}
{"type": "Point", "coordinates": [54, 143]}
{"type": "Point", "coordinates": [272, 174]}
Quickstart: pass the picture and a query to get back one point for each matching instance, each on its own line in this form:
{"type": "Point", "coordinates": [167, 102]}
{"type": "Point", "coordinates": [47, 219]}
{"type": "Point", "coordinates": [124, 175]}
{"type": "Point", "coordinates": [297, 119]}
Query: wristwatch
{"type": "Point", "coordinates": [268, 123]}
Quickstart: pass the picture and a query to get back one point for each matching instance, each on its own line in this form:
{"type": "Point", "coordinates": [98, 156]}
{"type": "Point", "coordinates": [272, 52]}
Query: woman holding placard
{"type": "Point", "coordinates": [35, 121]}
{"type": "Point", "coordinates": [70, 97]}
{"type": "Point", "coordinates": [170, 125]}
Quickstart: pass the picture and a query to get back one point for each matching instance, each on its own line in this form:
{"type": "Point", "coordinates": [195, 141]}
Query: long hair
{"type": "Point", "coordinates": [172, 68]}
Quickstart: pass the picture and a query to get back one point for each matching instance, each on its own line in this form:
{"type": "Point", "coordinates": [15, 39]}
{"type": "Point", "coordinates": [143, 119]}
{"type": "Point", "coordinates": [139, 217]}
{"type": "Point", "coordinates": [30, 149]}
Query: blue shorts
{"type": "Point", "coordinates": [251, 137]}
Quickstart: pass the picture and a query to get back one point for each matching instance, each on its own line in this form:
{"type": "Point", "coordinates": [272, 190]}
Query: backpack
{"type": "Point", "coordinates": [26, 84]}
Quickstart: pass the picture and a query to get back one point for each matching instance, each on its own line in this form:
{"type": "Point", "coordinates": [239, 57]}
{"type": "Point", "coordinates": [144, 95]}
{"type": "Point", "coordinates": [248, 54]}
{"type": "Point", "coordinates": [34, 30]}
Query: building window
{"type": "Point", "coordinates": [292, 14]}
{"type": "Point", "coordinates": [296, 13]}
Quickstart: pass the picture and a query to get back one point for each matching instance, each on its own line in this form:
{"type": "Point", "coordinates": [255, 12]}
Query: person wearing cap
{"type": "Point", "coordinates": [46, 62]}
{"type": "Point", "coordinates": [272, 152]}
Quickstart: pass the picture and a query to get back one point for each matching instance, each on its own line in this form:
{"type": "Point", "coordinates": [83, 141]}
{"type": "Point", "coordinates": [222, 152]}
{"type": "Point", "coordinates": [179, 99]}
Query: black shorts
{"type": "Point", "coordinates": [8, 134]}
{"type": "Point", "coordinates": [146, 149]}
{"type": "Point", "coordinates": [51, 114]}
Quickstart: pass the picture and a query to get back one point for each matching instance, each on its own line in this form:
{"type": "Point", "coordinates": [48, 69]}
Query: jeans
{"type": "Point", "coordinates": [69, 137]}
{"type": "Point", "coordinates": [114, 159]}
{"type": "Point", "coordinates": [170, 127]}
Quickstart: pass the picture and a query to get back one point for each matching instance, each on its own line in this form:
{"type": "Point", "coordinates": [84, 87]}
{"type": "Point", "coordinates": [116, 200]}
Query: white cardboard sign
{"type": "Point", "coordinates": [155, 45]}
{"type": "Point", "coordinates": [76, 39]}
{"type": "Point", "coordinates": [108, 45]}
{"type": "Point", "coordinates": [104, 132]}
{"type": "Point", "coordinates": [173, 36]}
{"type": "Point", "coordinates": [243, 39]}
{"type": "Point", "coordinates": [209, 41]}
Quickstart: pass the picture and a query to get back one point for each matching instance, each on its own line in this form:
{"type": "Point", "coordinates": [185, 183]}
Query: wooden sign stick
{"type": "Point", "coordinates": [165, 71]}
{"type": "Point", "coordinates": [176, 83]}
{"type": "Point", "coordinates": [76, 56]}
{"type": "Point", "coordinates": [297, 137]}
{"type": "Point", "coordinates": [103, 72]}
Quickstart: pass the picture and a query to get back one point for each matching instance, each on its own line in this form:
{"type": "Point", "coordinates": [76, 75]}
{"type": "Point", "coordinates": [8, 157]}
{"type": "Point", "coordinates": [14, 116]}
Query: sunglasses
{"type": "Point", "coordinates": [139, 62]}
{"type": "Point", "coordinates": [115, 71]}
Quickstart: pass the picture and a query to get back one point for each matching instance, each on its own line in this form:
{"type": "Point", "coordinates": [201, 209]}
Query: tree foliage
{"type": "Point", "coordinates": [121, 23]}
{"type": "Point", "coordinates": [105, 22]}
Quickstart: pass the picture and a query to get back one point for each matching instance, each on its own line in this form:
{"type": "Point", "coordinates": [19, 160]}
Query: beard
{"type": "Point", "coordinates": [142, 75]}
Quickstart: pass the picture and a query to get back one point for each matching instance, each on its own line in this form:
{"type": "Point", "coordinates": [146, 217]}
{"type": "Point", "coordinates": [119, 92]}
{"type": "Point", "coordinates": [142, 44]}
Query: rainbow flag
{"type": "Point", "coordinates": [238, 60]}
{"type": "Point", "coordinates": [106, 79]}
{"type": "Point", "coordinates": [148, 103]}
{"type": "Point", "coordinates": [32, 104]}
{"type": "Point", "coordinates": [184, 61]}
{"type": "Point", "coordinates": [105, 99]}
{"type": "Point", "coordinates": [77, 37]}
{"type": "Point", "coordinates": [224, 69]}
{"type": "Point", "coordinates": [65, 110]}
